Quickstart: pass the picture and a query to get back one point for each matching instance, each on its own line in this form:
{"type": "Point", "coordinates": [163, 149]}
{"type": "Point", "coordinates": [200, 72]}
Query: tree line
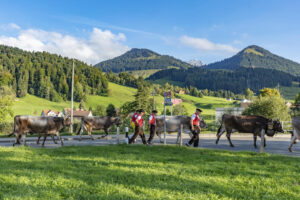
{"type": "Point", "coordinates": [48, 75]}
{"type": "Point", "coordinates": [235, 81]}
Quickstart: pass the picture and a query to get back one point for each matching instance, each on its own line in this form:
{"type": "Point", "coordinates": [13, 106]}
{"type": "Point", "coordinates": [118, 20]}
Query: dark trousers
{"type": "Point", "coordinates": [138, 131]}
{"type": "Point", "coordinates": [152, 132]}
{"type": "Point", "coordinates": [195, 138]}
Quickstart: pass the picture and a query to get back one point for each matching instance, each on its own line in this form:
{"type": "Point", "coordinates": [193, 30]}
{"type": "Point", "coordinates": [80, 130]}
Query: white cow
{"type": "Point", "coordinates": [296, 131]}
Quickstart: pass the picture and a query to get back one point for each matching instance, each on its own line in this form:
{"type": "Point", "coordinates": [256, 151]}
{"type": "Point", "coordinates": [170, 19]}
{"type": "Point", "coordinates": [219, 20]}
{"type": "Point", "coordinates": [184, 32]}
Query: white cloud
{"type": "Point", "coordinates": [10, 26]}
{"type": "Point", "coordinates": [101, 44]}
{"type": "Point", "coordinates": [206, 45]}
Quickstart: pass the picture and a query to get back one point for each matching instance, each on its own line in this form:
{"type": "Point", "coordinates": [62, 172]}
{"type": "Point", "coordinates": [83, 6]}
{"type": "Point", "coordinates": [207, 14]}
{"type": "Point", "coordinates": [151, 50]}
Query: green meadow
{"type": "Point", "coordinates": [32, 105]}
{"type": "Point", "coordinates": [145, 172]}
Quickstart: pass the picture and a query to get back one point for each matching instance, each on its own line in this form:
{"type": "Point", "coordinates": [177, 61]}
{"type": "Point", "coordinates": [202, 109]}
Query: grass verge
{"type": "Point", "coordinates": [143, 172]}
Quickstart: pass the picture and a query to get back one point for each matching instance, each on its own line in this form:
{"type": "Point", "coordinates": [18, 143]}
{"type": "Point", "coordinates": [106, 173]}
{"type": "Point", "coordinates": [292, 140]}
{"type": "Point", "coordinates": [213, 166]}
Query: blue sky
{"type": "Point", "coordinates": [98, 30]}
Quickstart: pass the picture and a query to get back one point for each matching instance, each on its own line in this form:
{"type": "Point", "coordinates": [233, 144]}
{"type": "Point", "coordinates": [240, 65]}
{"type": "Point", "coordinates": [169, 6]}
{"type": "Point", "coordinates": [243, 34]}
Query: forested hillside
{"type": "Point", "coordinates": [141, 59]}
{"type": "Point", "coordinates": [257, 57]}
{"type": "Point", "coordinates": [236, 81]}
{"type": "Point", "coordinates": [48, 75]}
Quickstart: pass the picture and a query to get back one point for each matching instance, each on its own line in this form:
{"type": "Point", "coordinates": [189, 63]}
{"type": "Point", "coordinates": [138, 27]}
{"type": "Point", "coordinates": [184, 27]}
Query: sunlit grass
{"type": "Point", "coordinates": [143, 172]}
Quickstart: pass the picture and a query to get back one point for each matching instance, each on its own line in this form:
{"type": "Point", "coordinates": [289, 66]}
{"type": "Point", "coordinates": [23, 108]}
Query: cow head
{"type": "Point", "coordinates": [203, 124]}
{"type": "Point", "coordinates": [67, 120]}
{"type": "Point", "coordinates": [277, 126]}
{"type": "Point", "coordinates": [116, 120]}
{"type": "Point", "coordinates": [273, 126]}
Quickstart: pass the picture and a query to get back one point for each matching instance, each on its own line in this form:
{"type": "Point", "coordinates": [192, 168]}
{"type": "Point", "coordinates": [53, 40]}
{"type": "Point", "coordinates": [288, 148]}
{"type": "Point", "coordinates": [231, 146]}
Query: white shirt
{"type": "Point", "coordinates": [150, 118]}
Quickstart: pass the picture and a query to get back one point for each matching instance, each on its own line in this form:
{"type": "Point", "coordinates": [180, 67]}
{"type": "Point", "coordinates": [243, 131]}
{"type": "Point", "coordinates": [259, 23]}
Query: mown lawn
{"type": "Point", "coordinates": [145, 172]}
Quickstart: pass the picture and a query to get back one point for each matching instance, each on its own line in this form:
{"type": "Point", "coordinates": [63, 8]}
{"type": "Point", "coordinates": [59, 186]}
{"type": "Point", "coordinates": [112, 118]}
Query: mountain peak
{"type": "Point", "coordinates": [135, 53]}
{"type": "Point", "coordinates": [141, 59]}
{"type": "Point", "coordinates": [255, 56]}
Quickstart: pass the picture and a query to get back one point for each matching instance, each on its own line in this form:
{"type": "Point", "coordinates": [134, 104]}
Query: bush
{"type": "Point", "coordinates": [179, 110]}
{"type": "Point", "coordinates": [99, 111]}
{"type": "Point", "coordinates": [270, 107]}
{"type": "Point", "coordinates": [6, 128]}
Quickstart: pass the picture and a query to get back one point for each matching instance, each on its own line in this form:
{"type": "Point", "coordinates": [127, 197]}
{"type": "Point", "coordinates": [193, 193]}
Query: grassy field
{"type": "Point", "coordinates": [143, 73]}
{"type": "Point", "coordinates": [31, 105]}
{"type": "Point", "coordinates": [289, 93]}
{"type": "Point", "coordinates": [143, 172]}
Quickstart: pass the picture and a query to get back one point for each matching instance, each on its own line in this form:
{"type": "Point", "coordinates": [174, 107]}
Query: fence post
{"type": "Point", "coordinates": [262, 146]}
{"type": "Point", "coordinates": [118, 135]}
{"type": "Point", "coordinates": [181, 128]}
{"type": "Point", "coordinates": [126, 135]}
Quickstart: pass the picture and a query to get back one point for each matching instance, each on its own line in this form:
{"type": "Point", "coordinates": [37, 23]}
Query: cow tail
{"type": "Point", "coordinates": [219, 129]}
{"type": "Point", "coordinates": [14, 128]}
{"type": "Point", "coordinates": [80, 127]}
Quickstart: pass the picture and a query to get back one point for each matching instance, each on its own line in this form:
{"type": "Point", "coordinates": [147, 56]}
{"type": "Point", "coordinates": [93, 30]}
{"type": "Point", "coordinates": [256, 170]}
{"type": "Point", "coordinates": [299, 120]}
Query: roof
{"type": "Point", "coordinates": [77, 113]}
{"type": "Point", "coordinates": [46, 111]}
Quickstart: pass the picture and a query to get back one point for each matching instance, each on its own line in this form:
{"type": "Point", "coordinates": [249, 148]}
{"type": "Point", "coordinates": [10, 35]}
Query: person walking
{"type": "Point", "coordinates": [139, 127]}
{"type": "Point", "coordinates": [152, 126]}
{"type": "Point", "coordinates": [195, 128]}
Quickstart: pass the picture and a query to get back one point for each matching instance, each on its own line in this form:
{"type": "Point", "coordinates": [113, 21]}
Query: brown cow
{"type": "Point", "coordinates": [47, 125]}
{"type": "Point", "coordinates": [97, 123]}
{"type": "Point", "coordinates": [248, 124]}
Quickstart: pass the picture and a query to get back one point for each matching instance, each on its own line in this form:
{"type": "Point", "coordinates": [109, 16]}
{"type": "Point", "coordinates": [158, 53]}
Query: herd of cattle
{"type": "Point", "coordinates": [51, 126]}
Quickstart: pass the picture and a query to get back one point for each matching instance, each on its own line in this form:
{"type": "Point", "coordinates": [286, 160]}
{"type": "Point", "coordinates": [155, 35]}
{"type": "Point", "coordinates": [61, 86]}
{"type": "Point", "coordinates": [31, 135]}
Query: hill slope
{"type": "Point", "coordinates": [32, 105]}
{"type": "Point", "coordinates": [257, 57]}
{"type": "Point", "coordinates": [236, 81]}
{"type": "Point", "coordinates": [48, 75]}
{"type": "Point", "coordinates": [141, 59]}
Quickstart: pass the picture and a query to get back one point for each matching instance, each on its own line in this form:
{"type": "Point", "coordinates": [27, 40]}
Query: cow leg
{"type": "Point", "coordinates": [106, 133]}
{"type": "Point", "coordinates": [159, 136]}
{"type": "Point", "coordinates": [221, 130]}
{"type": "Point", "coordinates": [254, 139]}
{"type": "Point", "coordinates": [178, 137]}
{"type": "Point", "coordinates": [81, 131]}
{"type": "Point", "coordinates": [38, 140]}
{"type": "Point", "coordinates": [228, 138]}
{"type": "Point", "coordinates": [18, 137]}
{"type": "Point", "coordinates": [24, 139]}
{"type": "Point", "coordinates": [90, 133]}
{"type": "Point", "coordinates": [59, 137]}
{"type": "Point", "coordinates": [293, 140]}
{"type": "Point", "coordinates": [45, 137]}
{"type": "Point", "coordinates": [52, 136]}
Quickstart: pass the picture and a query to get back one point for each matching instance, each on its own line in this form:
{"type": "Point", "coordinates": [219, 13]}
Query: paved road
{"type": "Point", "coordinates": [243, 142]}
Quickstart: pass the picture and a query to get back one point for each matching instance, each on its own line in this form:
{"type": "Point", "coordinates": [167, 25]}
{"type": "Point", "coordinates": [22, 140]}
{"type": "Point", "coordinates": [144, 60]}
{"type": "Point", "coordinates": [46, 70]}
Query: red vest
{"type": "Point", "coordinates": [196, 120]}
{"type": "Point", "coordinates": [140, 121]}
{"type": "Point", "coordinates": [133, 118]}
{"type": "Point", "coordinates": [152, 121]}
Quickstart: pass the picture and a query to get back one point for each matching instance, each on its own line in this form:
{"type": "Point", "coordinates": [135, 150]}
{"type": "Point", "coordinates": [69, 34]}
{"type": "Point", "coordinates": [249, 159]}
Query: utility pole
{"type": "Point", "coordinates": [153, 93]}
{"type": "Point", "coordinates": [72, 91]}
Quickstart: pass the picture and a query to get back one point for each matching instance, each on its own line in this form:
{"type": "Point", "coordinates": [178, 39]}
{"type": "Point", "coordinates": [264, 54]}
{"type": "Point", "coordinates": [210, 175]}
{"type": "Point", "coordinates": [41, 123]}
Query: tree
{"type": "Point", "coordinates": [269, 92]}
{"type": "Point", "coordinates": [82, 105]}
{"type": "Point", "coordinates": [297, 99]}
{"type": "Point", "coordinates": [142, 99]}
{"type": "Point", "coordinates": [111, 110]}
{"type": "Point", "coordinates": [5, 108]}
{"type": "Point", "coordinates": [270, 107]}
{"type": "Point", "coordinates": [99, 111]}
{"type": "Point", "coordinates": [179, 110]}
{"type": "Point", "coordinates": [127, 108]}
{"type": "Point", "coordinates": [249, 94]}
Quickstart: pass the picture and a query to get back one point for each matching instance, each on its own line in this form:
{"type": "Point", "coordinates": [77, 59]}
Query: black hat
{"type": "Point", "coordinates": [198, 109]}
{"type": "Point", "coordinates": [141, 111]}
{"type": "Point", "coordinates": [154, 111]}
